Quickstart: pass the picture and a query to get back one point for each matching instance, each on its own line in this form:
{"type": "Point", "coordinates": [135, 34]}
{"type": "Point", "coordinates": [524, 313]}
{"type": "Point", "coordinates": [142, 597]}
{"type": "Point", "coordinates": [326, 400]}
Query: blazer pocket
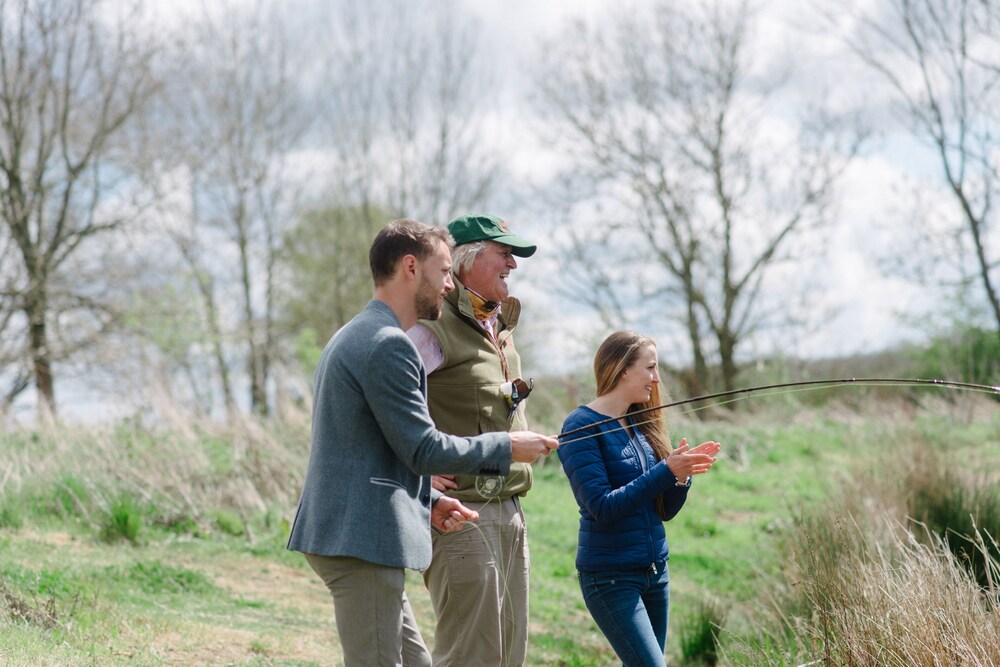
{"type": "Point", "coordinates": [382, 481]}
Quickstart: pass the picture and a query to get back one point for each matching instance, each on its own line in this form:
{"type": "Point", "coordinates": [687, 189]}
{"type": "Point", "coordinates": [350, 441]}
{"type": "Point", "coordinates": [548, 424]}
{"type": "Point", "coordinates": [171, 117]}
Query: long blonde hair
{"type": "Point", "coordinates": [616, 353]}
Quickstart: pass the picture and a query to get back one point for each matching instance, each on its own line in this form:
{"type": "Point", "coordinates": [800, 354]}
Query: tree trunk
{"type": "Point", "coordinates": [699, 381]}
{"type": "Point", "coordinates": [41, 356]}
{"type": "Point", "coordinates": [727, 354]}
{"type": "Point", "coordinates": [255, 362]}
{"type": "Point", "coordinates": [984, 266]}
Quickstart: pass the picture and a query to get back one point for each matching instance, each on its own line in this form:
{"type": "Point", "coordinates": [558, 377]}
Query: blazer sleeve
{"type": "Point", "coordinates": [392, 378]}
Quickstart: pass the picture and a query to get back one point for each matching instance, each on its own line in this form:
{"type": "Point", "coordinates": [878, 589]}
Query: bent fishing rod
{"type": "Point", "coordinates": [815, 384]}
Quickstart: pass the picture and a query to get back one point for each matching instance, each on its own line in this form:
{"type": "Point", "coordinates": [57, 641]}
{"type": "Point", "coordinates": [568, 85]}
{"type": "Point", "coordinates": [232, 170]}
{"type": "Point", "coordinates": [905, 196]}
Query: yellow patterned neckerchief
{"type": "Point", "coordinates": [481, 308]}
{"type": "Point", "coordinates": [487, 312]}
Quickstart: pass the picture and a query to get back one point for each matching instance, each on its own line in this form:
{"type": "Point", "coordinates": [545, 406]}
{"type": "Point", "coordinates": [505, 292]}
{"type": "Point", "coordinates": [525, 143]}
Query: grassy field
{"type": "Point", "coordinates": [139, 547]}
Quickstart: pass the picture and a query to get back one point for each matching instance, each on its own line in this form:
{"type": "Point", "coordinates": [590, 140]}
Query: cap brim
{"type": "Point", "coordinates": [518, 246]}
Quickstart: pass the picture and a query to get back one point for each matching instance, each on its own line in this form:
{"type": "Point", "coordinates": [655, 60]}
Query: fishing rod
{"type": "Point", "coordinates": [746, 391]}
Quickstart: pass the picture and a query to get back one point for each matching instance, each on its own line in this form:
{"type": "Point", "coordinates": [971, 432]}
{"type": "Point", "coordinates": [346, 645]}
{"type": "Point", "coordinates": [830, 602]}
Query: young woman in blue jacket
{"type": "Point", "coordinates": [627, 479]}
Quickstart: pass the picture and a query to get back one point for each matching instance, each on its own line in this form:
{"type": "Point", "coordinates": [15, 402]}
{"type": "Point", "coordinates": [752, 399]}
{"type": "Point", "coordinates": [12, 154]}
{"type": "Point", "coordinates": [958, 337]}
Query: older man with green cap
{"type": "Point", "coordinates": [478, 577]}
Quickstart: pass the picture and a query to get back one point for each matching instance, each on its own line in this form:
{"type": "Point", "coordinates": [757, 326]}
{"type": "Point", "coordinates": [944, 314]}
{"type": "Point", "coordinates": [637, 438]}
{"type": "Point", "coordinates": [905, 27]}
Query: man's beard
{"type": "Point", "coordinates": [427, 305]}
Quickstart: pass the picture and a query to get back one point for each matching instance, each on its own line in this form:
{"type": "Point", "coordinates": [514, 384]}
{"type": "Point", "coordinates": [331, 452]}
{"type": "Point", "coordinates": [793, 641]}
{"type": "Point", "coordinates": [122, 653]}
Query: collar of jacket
{"type": "Point", "coordinates": [382, 307]}
{"type": "Point", "coordinates": [510, 308]}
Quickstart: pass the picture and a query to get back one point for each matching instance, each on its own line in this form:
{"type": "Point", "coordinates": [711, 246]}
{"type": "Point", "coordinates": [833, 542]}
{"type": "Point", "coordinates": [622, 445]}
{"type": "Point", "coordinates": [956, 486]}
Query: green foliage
{"type": "Point", "coordinates": [70, 498]}
{"type": "Point", "coordinates": [969, 354]}
{"type": "Point", "coordinates": [179, 524]}
{"type": "Point", "coordinates": [308, 350]}
{"type": "Point", "coordinates": [229, 522]}
{"type": "Point", "coordinates": [123, 520]}
{"type": "Point", "coordinates": [156, 578]}
{"type": "Point", "coordinates": [55, 582]}
{"type": "Point", "coordinates": [168, 316]}
{"type": "Point", "coordinates": [775, 466]}
{"type": "Point", "coordinates": [11, 516]}
{"type": "Point", "coordinates": [219, 452]}
{"type": "Point", "coordinates": [700, 632]}
{"type": "Point", "coordinates": [958, 510]}
{"type": "Point", "coordinates": [326, 256]}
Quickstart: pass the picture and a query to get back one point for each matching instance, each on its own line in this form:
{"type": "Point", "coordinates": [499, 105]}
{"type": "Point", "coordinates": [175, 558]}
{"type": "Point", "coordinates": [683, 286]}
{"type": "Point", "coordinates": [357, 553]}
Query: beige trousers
{"type": "Point", "coordinates": [374, 619]}
{"type": "Point", "coordinates": [478, 581]}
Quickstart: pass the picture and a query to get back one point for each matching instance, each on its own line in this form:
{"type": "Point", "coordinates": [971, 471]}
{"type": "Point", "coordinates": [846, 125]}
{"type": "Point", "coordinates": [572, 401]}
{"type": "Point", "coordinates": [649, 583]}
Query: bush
{"type": "Point", "coordinates": [958, 512]}
{"type": "Point", "coordinates": [10, 517]}
{"type": "Point", "coordinates": [699, 634]}
{"type": "Point", "coordinates": [123, 520]}
{"type": "Point", "coordinates": [970, 354]}
{"type": "Point", "coordinates": [229, 522]}
{"type": "Point", "coordinates": [899, 568]}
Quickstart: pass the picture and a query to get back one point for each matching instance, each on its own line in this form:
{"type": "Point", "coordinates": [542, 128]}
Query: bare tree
{"type": "Point", "coordinates": [237, 119]}
{"type": "Point", "coordinates": [700, 189]}
{"type": "Point", "coordinates": [407, 92]}
{"type": "Point", "coordinates": [941, 60]}
{"type": "Point", "coordinates": [403, 94]}
{"type": "Point", "coordinates": [74, 75]}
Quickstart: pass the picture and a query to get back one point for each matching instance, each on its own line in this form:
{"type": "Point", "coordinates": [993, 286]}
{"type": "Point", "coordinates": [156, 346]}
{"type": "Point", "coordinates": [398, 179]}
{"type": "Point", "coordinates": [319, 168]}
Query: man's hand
{"type": "Point", "coordinates": [527, 447]}
{"type": "Point", "coordinates": [444, 482]}
{"type": "Point", "coordinates": [448, 514]}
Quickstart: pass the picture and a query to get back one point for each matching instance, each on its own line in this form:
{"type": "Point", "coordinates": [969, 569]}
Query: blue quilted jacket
{"type": "Point", "coordinates": [619, 526]}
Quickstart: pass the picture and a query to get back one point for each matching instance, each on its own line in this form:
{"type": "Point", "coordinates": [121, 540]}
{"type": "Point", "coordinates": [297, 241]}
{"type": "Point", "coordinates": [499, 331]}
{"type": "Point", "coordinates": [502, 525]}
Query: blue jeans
{"type": "Point", "coordinates": [631, 607]}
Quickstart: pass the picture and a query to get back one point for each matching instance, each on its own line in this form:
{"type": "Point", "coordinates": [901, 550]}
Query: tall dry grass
{"type": "Point", "coordinates": [868, 581]}
{"type": "Point", "coordinates": [181, 468]}
{"type": "Point", "coordinates": [898, 598]}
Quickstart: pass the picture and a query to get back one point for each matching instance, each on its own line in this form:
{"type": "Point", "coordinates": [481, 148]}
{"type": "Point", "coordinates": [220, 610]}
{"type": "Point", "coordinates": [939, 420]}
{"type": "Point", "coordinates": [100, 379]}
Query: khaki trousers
{"type": "Point", "coordinates": [374, 619]}
{"type": "Point", "coordinates": [478, 582]}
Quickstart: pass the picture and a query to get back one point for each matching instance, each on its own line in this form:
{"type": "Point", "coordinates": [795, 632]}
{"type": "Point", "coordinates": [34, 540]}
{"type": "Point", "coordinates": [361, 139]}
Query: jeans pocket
{"type": "Point", "coordinates": [595, 583]}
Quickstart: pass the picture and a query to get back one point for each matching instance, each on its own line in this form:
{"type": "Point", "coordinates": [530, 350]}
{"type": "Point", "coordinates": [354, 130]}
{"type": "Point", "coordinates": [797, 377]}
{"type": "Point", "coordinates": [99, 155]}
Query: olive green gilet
{"type": "Point", "coordinates": [464, 393]}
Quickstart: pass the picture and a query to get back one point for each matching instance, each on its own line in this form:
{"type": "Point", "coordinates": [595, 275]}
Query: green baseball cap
{"type": "Point", "coordinates": [469, 228]}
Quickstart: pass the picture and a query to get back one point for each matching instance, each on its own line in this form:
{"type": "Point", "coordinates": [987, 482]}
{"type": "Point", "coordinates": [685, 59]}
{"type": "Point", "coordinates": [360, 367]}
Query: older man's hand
{"type": "Point", "coordinates": [443, 482]}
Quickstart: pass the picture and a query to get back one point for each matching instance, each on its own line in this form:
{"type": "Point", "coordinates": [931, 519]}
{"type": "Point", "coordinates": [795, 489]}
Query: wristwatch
{"type": "Point", "coordinates": [686, 483]}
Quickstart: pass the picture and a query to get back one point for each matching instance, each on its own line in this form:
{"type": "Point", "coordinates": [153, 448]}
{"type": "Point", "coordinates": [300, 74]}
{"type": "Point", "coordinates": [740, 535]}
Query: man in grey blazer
{"type": "Point", "coordinates": [367, 501]}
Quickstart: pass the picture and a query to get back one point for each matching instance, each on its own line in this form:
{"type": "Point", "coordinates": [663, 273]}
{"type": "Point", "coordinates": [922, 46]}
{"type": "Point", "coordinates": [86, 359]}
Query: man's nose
{"type": "Point", "coordinates": [449, 284]}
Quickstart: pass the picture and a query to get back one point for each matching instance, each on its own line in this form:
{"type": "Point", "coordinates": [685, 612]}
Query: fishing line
{"type": "Point", "coordinates": [503, 571]}
{"type": "Point", "coordinates": [765, 390]}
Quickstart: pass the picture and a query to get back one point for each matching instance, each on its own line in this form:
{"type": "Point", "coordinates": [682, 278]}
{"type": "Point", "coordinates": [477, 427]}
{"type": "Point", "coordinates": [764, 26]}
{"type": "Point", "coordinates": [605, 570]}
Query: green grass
{"type": "Point", "coordinates": [208, 581]}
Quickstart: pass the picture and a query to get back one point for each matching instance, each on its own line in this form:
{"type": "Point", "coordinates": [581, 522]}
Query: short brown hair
{"type": "Point", "coordinates": [400, 238]}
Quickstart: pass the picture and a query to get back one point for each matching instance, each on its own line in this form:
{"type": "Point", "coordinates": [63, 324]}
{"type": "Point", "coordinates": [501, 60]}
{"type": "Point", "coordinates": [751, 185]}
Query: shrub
{"type": "Point", "coordinates": [959, 512]}
{"type": "Point", "coordinates": [123, 520]}
{"type": "Point", "coordinates": [860, 580]}
{"type": "Point", "coordinates": [229, 522]}
{"type": "Point", "coordinates": [970, 354]}
{"type": "Point", "coordinates": [10, 517]}
{"type": "Point", "coordinates": [699, 634]}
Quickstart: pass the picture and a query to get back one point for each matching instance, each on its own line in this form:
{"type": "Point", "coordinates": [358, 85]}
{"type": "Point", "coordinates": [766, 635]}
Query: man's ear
{"type": "Point", "coordinates": [409, 265]}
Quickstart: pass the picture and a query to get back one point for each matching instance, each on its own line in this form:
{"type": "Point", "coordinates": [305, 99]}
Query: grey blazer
{"type": "Point", "coordinates": [367, 491]}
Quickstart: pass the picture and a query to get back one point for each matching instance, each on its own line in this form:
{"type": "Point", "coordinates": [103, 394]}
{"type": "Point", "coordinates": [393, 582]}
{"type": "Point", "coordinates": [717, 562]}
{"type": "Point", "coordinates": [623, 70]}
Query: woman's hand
{"type": "Point", "coordinates": [685, 461]}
